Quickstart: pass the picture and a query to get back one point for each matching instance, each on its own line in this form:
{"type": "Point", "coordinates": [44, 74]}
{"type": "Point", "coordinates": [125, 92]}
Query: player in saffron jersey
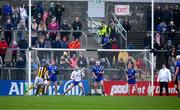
{"type": "Point", "coordinates": [97, 72]}
{"type": "Point", "coordinates": [52, 72]}
{"type": "Point", "coordinates": [76, 78]}
{"type": "Point", "coordinates": [177, 75]}
{"type": "Point", "coordinates": [131, 77]}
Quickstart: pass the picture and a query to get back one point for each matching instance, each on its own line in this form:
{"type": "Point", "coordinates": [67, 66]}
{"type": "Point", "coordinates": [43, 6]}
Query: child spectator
{"type": "Point", "coordinates": [14, 53]}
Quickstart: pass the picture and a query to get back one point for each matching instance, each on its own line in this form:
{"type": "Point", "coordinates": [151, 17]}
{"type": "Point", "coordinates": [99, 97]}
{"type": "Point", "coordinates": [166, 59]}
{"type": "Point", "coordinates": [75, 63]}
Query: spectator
{"type": "Point", "coordinates": [34, 34]}
{"type": "Point", "coordinates": [52, 9]}
{"type": "Point", "coordinates": [7, 11]}
{"type": "Point", "coordinates": [158, 16]}
{"type": "Point", "coordinates": [73, 61]}
{"type": "Point", "coordinates": [42, 28]}
{"type": "Point", "coordinates": [75, 44]}
{"type": "Point", "coordinates": [21, 27]}
{"type": "Point", "coordinates": [65, 27]}
{"type": "Point", "coordinates": [76, 26]}
{"type": "Point", "coordinates": [20, 72]}
{"type": "Point", "coordinates": [176, 14]}
{"type": "Point", "coordinates": [140, 68]}
{"type": "Point", "coordinates": [64, 43]}
{"type": "Point", "coordinates": [114, 45]}
{"type": "Point", "coordinates": [8, 27]}
{"type": "Point", "coordinates": [147, 41]}
{"type": "Point", "coordinates": [162, 27]}
{"type": "Point", "coordinates": [59, 12]}
{"type": "Point", "coordinates": [45, 16]}
{"type": "Point", "coordinates": [39, 9]}
{"type": "Point", "coordinates": [159, 40]}
{"type": "Point", "coordinates": [23, 44]}
{"type": "Point", "coordinates": [104, 63]}
{"type": "Point", "coordinates": [33, 10]}
{"type": "Point", "coordinates": [106, 42]}
{"type": "Point", "coordinates": [163, 78]}
{"type": "Point", "coordinates": [53, 26]}
{"type": "Point", "coordinates": [42, 44]}
{"type": "Point", "coordinates": [23, 13]}
{"type": "Point", "coordinates": [167, 14]}
{"type": "Point", "coordinates": [126, 25]}
{"type": "Point", "coordinates": [14, 53]}
{"type": "Point", "coordinates": [82, 62]}
{"type": "Point", "coordinates": [57, 44]}
{"type": "Point", "coordinates": [113, 33]}
{"type": "Point", "coordinates": [103, 30]}
{"type": "Point", "coordinates": [15, 17]}
{"type": "Point", "coordinates": [168, 45]}
{"type": "Point", "coordinates": [121, 64]}
{"type": "Point", "coordinates": [172, 31]}
{"type": "Point", "coordinates": [92, 62]}
{"type": "Point", "coordinates": [49, 18]}
{"type": "Point", "coordinates": [3, 47]}
{"type": "Point", "coordinates": [64, 60]}
{"type": "Point", "coordinates": [39, 18]}
{"type": "Point", "coordinates": [172, 62]}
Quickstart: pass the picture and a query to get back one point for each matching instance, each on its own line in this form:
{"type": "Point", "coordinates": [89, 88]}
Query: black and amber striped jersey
{"type": "Point", "coordinates": [41, 71]}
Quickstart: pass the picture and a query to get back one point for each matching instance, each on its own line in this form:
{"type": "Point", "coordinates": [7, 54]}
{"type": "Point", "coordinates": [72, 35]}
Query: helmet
{"type": "Point", "coordinates": [43, 62]}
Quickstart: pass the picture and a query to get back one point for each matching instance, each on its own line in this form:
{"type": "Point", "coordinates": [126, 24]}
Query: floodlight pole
{"type": "Point", "coordinates": [29, 51]}
{"type": "Point", "coordinates": [152, 46]}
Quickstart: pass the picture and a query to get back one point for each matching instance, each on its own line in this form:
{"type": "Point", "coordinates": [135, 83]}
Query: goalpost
{"type": "Point", "coordinates": [85, 50]}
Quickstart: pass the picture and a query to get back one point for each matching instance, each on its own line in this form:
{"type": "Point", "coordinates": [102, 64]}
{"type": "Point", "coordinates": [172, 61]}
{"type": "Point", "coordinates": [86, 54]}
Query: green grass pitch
{"type": "Point", "coordinates": [89, 103]}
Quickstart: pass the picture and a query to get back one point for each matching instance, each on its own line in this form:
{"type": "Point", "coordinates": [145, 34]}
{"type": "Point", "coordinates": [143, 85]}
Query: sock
{"type": "Point", "coordinates": [177, 90]}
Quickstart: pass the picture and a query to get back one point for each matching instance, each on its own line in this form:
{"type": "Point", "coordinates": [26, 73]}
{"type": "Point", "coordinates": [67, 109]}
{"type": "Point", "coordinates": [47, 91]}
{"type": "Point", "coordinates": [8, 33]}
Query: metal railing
{"type": "Point", "coordinates": [120, 29]}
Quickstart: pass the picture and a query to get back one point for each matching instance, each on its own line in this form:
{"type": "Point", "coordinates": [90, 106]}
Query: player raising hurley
{"type": "Point", "coordinates": [39, 80]}
{"type": "Point", "coordinates": [52, 75]}
{"type": "Point", "coordinates": [98, 72]}
{"type": "Point", "coordinates": [131, 77]}
{"type": "Point", "coordinates": [76, 78]}
{"type": "Point", "coordinates": [177, 75]}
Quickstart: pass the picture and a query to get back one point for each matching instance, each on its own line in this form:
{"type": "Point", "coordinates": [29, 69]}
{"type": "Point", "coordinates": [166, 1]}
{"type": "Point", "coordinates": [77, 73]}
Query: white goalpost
{"type": "Point", "coordinates": [151, 61]}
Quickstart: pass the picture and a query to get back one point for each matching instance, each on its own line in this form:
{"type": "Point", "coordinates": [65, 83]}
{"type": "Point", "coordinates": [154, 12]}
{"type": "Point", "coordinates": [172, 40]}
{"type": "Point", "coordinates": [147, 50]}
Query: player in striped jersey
{"type": "Point", "coordinates": [39, 80]}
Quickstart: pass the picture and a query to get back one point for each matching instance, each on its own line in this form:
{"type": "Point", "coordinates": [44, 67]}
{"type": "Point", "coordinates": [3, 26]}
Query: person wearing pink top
{"type": "Point", "coordinates": [53, 26]}
{"type": "Point", "coordinates": [73, 61]}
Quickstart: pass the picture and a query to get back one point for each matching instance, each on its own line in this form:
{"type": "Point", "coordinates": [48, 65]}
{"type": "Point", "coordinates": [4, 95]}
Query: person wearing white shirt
{"type": "Point", "coordinates": [76, 78]}
{"type": "Point", "coordinates": [164, 77]}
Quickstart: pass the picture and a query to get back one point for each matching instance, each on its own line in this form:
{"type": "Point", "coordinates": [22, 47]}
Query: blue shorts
{"type": "Point", "coordinates": [53, 78]}
{"type": "Point", "coordinates": [131, 81]}
{"type": "Point", "coordinates": [98, 79]}
{"type": "Point", "coordinates": [75, 82]}
{"type": "Point", "coordinates": [178, 76]}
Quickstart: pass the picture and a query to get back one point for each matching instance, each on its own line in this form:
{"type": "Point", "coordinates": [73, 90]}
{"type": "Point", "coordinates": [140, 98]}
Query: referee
{"type": "Point", "coordinates": [164, 77]}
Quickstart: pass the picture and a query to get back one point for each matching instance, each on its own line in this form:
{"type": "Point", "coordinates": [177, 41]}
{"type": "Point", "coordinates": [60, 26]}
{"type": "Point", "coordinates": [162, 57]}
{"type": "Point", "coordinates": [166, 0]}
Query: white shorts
{"type": "Point", "coordinates": [38, 81]}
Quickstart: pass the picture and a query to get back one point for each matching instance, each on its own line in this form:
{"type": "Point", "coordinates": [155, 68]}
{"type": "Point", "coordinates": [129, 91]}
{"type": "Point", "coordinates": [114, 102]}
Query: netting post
{"type": "Point", "coordinates": [152, 46]}
{"type": "Point", "coordinates": [29, 52]}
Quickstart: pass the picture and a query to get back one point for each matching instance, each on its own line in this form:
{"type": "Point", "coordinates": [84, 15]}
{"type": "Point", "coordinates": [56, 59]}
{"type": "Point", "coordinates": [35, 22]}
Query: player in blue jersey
{"type": "Point", "coordinates": [131, 77]}
{"type": "Point", "coordinates": [177, 75]}
{"type": "Point", "coordinates": [52, 72]}
{"type": "Point", "coordinates": [98, 72]}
